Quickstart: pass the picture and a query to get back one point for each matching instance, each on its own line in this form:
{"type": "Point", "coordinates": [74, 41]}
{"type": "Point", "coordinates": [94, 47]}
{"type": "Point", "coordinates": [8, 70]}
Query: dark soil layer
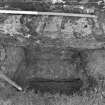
{"type": "Point", "coordinates": [66, 86]}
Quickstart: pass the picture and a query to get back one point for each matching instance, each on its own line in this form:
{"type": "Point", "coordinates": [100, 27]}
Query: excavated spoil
{"type": "Point", "coordinates": [54, 30]}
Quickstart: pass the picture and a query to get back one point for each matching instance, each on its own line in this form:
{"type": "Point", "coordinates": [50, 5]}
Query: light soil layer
{"type": "Point", "coordinates": [64, 31]}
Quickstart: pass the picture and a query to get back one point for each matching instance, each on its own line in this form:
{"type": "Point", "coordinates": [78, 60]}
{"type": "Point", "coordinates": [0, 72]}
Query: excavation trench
{"type": "Point", "coordinates": [51, 70]}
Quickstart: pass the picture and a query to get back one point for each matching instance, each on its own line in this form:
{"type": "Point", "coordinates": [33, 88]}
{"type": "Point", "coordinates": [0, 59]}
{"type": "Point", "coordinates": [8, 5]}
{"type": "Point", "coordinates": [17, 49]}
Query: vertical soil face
{"type": "Point", "coordinates": [10, 59]}
{"type": "Point", "coordinates": [14, 56]}
{"type": "Point", "coordinates": [96, 62]}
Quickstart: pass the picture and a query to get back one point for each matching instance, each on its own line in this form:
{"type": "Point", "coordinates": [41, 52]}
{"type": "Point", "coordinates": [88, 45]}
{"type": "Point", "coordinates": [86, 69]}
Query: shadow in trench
{"type": "Point", "coordinates": [61, 86]}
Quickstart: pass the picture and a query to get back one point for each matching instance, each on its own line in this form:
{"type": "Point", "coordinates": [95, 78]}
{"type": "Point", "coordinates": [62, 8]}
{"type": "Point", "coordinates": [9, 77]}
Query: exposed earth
{"type": "Point", "coordinates": [56, 60]}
